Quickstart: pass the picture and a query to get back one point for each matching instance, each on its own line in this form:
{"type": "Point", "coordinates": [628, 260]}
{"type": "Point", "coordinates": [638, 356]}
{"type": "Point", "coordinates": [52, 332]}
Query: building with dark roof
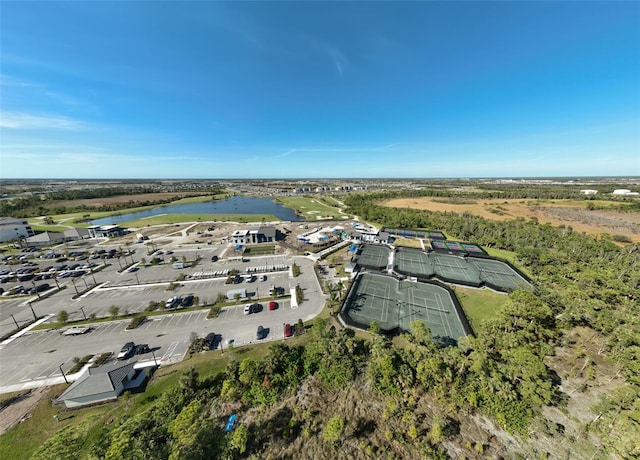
{"type": "Point", "coordinates": [263, 234]}
{"type": "Point", "coordinates": [104, 383]}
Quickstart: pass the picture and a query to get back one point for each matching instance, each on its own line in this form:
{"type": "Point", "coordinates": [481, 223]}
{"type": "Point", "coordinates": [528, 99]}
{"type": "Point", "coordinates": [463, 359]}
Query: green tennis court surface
{"type": "Point", "coordinates": [472, 271]}
{"type": "Point", "coordinates": [371, 256]}
{"type": "Point", "coordinates": [394, 304]}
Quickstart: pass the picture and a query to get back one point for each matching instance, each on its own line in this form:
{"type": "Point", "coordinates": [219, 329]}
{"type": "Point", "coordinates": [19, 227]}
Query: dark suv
{"type": "Point", "coordinates": [187, 300]}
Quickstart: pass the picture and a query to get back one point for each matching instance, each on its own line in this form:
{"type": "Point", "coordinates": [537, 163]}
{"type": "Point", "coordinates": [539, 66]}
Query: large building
{"type": "Point", "coordinates": [263, 234]}
{"type": "Point", "coordinates": [14, 229]}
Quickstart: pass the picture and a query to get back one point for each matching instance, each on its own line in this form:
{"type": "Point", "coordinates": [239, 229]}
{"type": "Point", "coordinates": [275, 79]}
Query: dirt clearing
{"type": "Point", "coordinates": [572, 214]}
{"type": "Point", "coordinates": [19, 407]}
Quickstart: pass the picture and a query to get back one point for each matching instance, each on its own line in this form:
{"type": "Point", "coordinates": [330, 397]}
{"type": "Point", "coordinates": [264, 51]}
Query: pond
{"type": "Point", "coordinates": [233, 205]}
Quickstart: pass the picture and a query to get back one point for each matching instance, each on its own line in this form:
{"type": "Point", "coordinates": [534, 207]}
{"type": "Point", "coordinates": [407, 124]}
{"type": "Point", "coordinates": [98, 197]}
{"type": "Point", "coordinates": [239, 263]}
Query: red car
{"type": "Point", "coordinates": [287, 330]}
{"type": "Point", "coordinates": [273, 305]}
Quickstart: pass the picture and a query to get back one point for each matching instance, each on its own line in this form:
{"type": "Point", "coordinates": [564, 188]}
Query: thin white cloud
{"type": "Point", "coordinates": [22, 120]}
{"type": "Point", "coordinates": [338, 58]}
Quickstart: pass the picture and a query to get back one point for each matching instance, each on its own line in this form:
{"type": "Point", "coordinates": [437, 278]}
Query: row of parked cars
{"type": "Point", "coordinates": [130, 349]}
{"type": "Point", "coordinates": [179, 302]}
{"type": "Point", "coordinates": [17, 290]}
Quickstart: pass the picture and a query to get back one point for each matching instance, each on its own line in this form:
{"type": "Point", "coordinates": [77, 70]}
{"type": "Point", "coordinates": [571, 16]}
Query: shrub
{"type": "Point", "coordinates": [621, 239]}
{"type": "Point", "coordinates": [214, 311]}
{"type": "Point", "coordinates": [135, 322]}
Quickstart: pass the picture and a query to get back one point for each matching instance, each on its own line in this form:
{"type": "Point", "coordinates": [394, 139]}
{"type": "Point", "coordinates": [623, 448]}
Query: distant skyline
{"type": "Point", "coordinates": [319, 90]}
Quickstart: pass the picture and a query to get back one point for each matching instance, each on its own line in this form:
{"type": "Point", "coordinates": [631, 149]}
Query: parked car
{"type": "Point", "coordinates": [263, 277]}
{"type": "Point", "coordinates": [126, 351]}
{"type": "Point", "coordinates": [260, 333]}
{"type": "Point", "coordinates": [214, 258]}
{"type": "Point", "coordinates": [173, 302]}
{"type": "Point", "coordinates": [142, 348]}
{"type": "Point", "coordinates": [247, 309]}
{"type": "Point", "coordinates": [187, 300]}
{"type": "Point", "coordinates": [288, 332]}
{"type": "Point", "coordinates": [273, 305]}
{"type": "Point", "coordinates": [210, 342]}
{"type": "Point", "coordinates": [42, 287]}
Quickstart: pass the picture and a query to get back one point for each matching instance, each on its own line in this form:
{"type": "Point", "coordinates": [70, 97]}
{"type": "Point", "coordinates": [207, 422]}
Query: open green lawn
{"type": "Point", "coordinates": [181, 218]}
{"type": "Point", "coordinates": [479, 304]}
{"type": "Point", "coordinates": [259, 250]}
{"type": "Point", "coordinates": [508, 256]}
{"type": "Point", "coordinates": [49, 228]}
{"type": "Point", "coordinates": [310, 207]}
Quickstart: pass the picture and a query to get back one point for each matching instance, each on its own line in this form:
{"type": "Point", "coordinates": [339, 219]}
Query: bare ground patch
{"type": "Point", "coordinates": [19, 407]}
{"type": "Point", "coordinates": [558, 212]}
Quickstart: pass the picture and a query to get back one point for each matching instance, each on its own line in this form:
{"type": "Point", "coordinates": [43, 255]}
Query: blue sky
{"type": "Point", "coordinates": [145, 89]}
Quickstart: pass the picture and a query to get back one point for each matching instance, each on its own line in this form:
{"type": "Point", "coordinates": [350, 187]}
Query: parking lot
{"type": "Point", "coordinates": [37, 356]}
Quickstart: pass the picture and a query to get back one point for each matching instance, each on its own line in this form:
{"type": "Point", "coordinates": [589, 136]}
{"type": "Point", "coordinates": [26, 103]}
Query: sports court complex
{"type": "Point", "coordinates": [395, 303]}
{"type": "Point", "coordinates": [382, 294]}
{"type": "Point", "coordinates": [469, 271]}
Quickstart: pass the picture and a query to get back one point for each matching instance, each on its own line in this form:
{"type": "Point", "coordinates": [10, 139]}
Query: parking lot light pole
{"type": "Point", "coordinates": [37, 292]}
{"type": "Point", "coordinates": [154, 358]}
{"type": "Point", "coordinates": [14, 320]}
{"type": "Point", "coordinates": [64, 376]}
{"type": "Point", "coordinates": [34, 313]}
{"type": "Point", "coordinates": [83, 313]}
{"type": "Point", "coordinates": [73, 281]}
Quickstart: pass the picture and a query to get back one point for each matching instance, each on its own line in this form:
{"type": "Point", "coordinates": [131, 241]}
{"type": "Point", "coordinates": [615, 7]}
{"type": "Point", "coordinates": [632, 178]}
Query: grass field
{"type": "Point", "coordinates": [49, 228]}
{"type": "Point", "coordinates": [479, 305]}
{"type": "Point", "coordinates": [181, 218]}
{"type": "Point", "coordinates": [310, 207]}
{"type": "Point", "coordinates": [508, 256]}
{"type": "Point", "coordinates": [260, 250]}
{"type": "Point", "coordinates": [407, 242]}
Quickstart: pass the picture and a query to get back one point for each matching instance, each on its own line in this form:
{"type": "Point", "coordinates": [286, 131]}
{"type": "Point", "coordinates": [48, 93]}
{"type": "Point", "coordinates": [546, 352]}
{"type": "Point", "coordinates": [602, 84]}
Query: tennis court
{"type": "Point", "coordinates": [372, 256]}
{"type": "Point", "coordinates": [409, 233]}
{"type": "Point", "coordinates": [415, 262]}
{"type": "Point", "coordinates": [395, 304]}
{"type": "Point", "coordinates": [497, 273]}
{"type": "Point", "coordinates": [470, 271]}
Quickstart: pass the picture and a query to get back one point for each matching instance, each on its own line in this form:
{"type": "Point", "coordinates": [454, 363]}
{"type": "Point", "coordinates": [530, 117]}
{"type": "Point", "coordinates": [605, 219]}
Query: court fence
{"type": "Point", "coordinates": [347, 321]}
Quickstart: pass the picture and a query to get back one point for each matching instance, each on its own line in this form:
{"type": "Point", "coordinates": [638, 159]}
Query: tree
{"type": "Point", "coordinates": [374, 328]}
{"type": "Point", "coordinates": [114, 310]}
{"type": "Point", "coordinates": [189, 379]}
{"type": "Point", "coordinates": [63, 316]}
{"type": "Point", "coordinates": [240, 439]}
